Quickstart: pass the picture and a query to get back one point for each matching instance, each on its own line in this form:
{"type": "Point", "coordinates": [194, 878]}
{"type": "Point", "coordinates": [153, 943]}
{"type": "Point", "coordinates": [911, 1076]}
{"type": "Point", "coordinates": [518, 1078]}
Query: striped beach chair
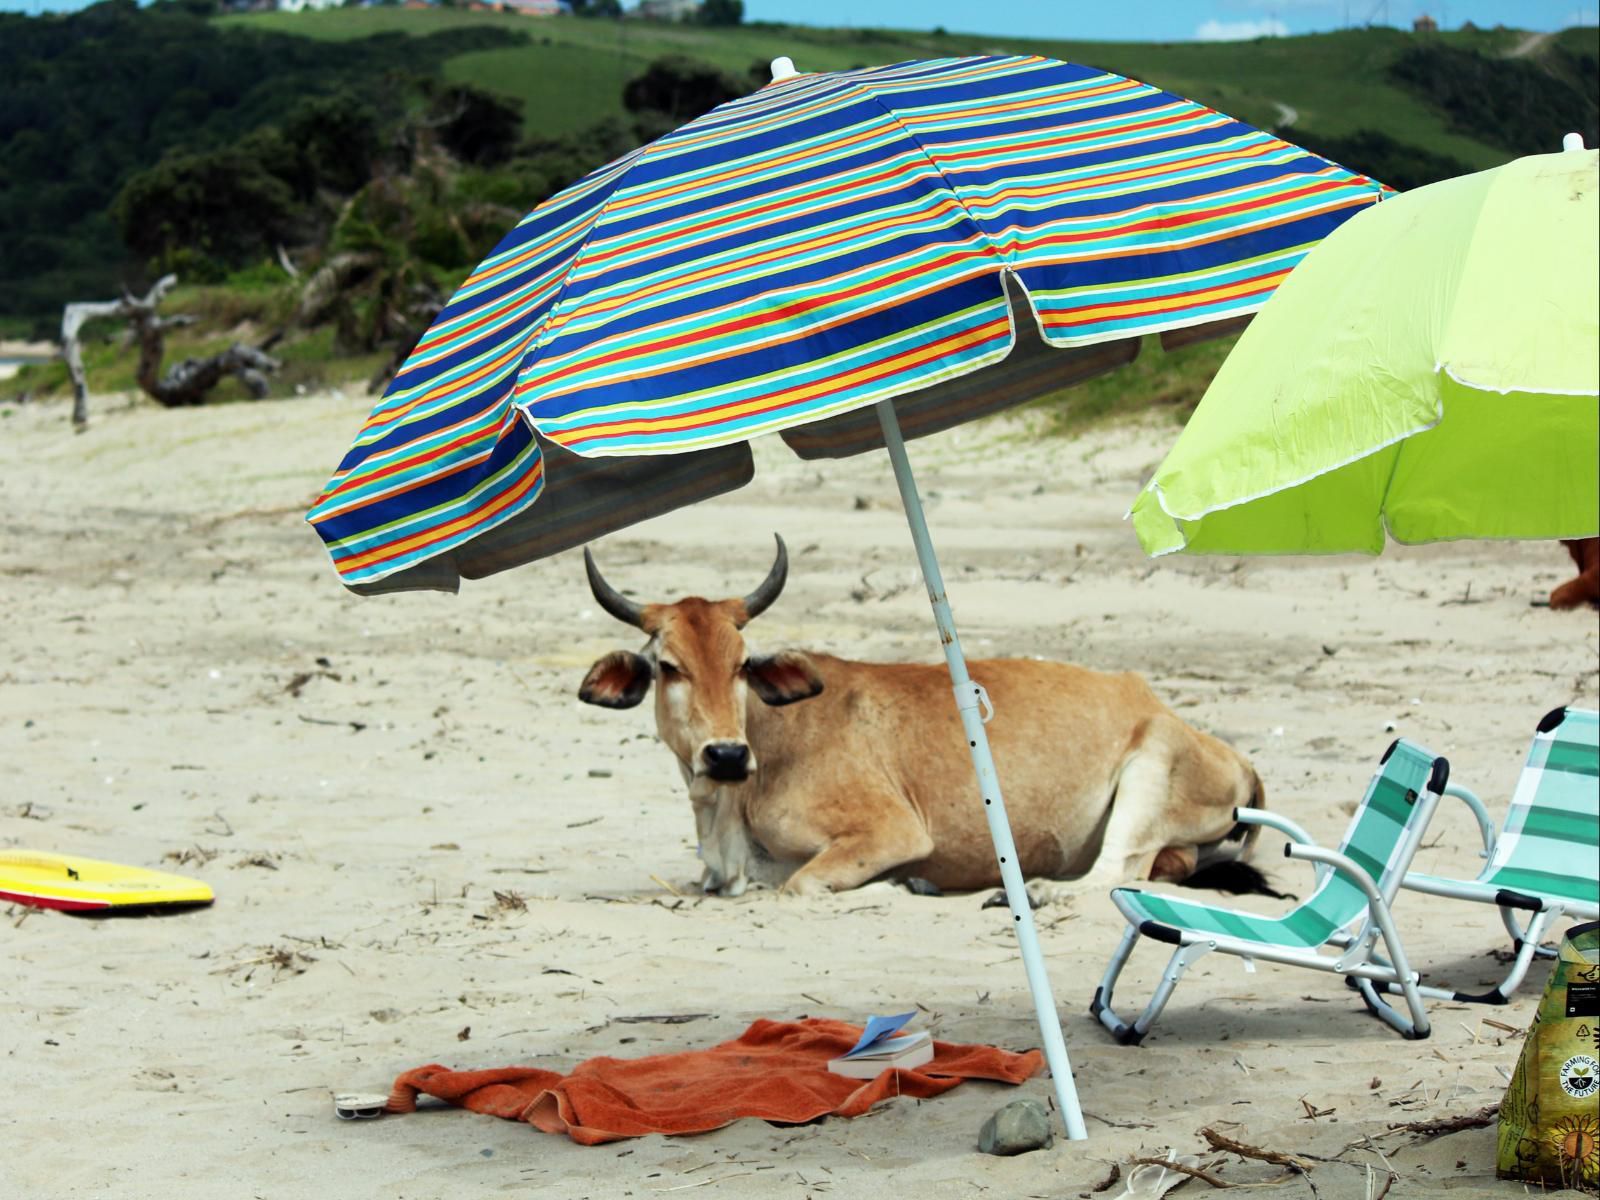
{"type": "Point", "coordinates": [1348, 910]}
{"type": "Point", "coordinates": [1546, 860]}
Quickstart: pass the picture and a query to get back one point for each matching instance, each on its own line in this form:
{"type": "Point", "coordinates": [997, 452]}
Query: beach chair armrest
{"type": "Point", "coordinates": [1343, 865]}
{"type": "Point", "coordinates": [1485, 825]}
{"type": "Point", "coordinates": [1295, 834]}
{"type": "Point", "coordinates": [1260, 816]}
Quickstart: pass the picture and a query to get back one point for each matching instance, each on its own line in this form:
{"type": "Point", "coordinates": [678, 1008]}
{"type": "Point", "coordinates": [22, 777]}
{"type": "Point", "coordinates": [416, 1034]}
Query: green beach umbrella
{"type": "Point", "coordinates": [1432, 367]}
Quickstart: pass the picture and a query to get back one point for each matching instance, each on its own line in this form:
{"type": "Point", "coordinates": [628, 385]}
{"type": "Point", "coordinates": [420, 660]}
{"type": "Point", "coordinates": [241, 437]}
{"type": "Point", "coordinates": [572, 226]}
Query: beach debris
{"type": "Point", "coordinates": [197, 854]}
{"type": "Point", "coordinates": [1106, 1184]}
{"type": "Point", "coordinates": [1433, 1127]}
{"type": "Point", "coordinates": [1153, 1178]}
{"type": "Point", "coordinates": [664, 1018]}
{"type": "Point", "coordinates": [464, 1034]}
{"type": "Point", "coordinates": [1221, 1141]}
{"type": "Point", "coordinates": [301, 678]}
{"type": "Point", "coordinates": [281, 959]}
{"type": "Point", "coordinates": [510, 901]}
{"type": "Point", "coordinates": [257, 860]}
{"type": "Point", "coordinates": [918, 886]}
{"type": "Point", "coordinates": [359, 1106]}
{"type": "Point", "coordinates": [1017, 1128]}
{"type": "Point", "coordinates": [188, 382]}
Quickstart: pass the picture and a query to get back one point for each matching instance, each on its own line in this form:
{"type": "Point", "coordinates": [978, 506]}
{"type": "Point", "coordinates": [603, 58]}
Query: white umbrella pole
{"type": "Point", "coordinates": [971, 701]}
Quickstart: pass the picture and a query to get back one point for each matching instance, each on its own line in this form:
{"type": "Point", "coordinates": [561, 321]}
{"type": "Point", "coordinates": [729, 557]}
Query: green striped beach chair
{"type": "Point", "coordinates": [1546, 861]}
{"type": "Point", "coordinates": [1348, 910]}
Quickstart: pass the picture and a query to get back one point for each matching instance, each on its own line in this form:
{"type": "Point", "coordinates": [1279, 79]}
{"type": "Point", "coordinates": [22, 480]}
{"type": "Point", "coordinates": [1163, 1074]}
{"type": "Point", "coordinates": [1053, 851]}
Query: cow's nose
{"type": "Point", "coordinates": [727, 760]}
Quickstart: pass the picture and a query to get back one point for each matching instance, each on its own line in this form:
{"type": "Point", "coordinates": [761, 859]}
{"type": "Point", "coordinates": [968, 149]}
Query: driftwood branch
{"type": "Point", "coordinates": [73, 318]}
{"type": "Point", "coordinates": [1181, 1169]}
{"type": "Point", "coordinates": [186, 383]}
{"type": "Point", "coordinates": [1439, 1126]}
{"type": "Point", "coordinates": [1220, 1141]}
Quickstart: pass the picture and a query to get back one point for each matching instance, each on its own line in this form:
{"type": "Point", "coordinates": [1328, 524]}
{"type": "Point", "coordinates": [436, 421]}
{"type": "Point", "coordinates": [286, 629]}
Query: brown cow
{"type": "Point", "coordinates": [1585, 589]}
{"type": "Point", "coordinates": [820, 774]}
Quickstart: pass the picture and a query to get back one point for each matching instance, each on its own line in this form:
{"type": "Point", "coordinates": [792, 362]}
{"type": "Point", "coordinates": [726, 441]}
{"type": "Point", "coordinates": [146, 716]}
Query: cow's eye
{"type": "Point", "coordinates": [669, 670]}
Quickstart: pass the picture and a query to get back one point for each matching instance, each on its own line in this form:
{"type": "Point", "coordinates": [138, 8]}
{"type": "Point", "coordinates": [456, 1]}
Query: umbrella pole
{"type": "Point", "coordinates": [971, 701]}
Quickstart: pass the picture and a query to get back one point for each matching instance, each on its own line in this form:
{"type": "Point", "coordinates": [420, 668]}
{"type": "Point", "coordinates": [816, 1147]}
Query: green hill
{"type": "Point", "coordinates": [1337, 84]}
{"type": "Point", "coordinates": [135, 140]}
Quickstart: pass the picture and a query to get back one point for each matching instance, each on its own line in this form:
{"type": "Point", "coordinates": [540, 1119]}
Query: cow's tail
{"type": "Point", "coordinates": [1233, 873]}
{"type": "Point", "coordinates": [1247, 834]}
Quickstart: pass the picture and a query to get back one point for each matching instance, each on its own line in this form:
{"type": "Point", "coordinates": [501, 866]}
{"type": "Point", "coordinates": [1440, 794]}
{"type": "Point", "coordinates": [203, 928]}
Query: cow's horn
{"type": "Point", "coordinates": [758, 601]}
{"type": "Point", "coordinates": [613, 601]}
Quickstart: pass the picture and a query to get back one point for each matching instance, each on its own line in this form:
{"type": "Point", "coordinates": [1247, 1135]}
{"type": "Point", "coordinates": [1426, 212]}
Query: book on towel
{"type": "Point", "coordinates": [883, 1047]}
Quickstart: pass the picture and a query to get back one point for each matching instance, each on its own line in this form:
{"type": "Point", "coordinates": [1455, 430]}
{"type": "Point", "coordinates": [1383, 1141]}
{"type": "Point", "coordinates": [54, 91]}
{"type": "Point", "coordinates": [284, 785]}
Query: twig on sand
{"type": "Point", "coordinates": [1119, 1124]}
{"type": "Point", "coordinates": [668, 886]}
{"type": "Point", "coordinates": [1221, 1141]}
{"type": "Point", "coordinates": [1439, 1126]}
{"type": "Point", "coordinates": [1111, 1180]}
{"type": "Point", "coordinates": [702, 1182]}
{"type": "Point", "coordinates": [1193, 1172]}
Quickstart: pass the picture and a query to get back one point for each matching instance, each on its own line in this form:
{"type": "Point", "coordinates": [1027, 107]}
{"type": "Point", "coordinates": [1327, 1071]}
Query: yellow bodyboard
{"type": "Point", "coordinates": [75, 884]}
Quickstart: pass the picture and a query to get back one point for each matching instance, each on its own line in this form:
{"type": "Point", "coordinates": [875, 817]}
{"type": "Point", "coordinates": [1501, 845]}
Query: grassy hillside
{"type": "Point", "coordinates": [573, 71]}
{"type": "Point", "coordinates": [1339, 90]}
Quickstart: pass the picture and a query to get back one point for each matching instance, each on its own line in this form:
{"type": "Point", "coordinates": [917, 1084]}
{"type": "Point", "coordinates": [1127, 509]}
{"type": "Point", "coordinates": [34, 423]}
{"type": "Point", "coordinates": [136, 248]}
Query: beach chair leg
{"type": "Point", "coordinates": [1100, 1007]}
{"type": "Point", "coordinates": [1418, 1026]}
{"type": "Point", "coordinates": [1527, 949]}
{"type": "Point", "coordinates": [1131, 1034]}
{"type": "Point", "coordinates": [1508, 918]}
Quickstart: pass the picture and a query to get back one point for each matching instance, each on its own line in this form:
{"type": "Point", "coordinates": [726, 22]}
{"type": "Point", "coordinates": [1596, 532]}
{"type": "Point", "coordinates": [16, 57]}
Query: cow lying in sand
{"type": "Point", "coordinates": [820, 774]}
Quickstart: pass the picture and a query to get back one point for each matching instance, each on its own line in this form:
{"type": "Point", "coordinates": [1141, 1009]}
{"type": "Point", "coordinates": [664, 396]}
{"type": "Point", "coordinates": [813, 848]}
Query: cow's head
{"type": "Point", "coordinates": [697, 657]}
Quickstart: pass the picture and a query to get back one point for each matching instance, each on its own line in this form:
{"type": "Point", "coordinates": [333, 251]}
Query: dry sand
{"type": "Point", "coordinates": [162, 593]}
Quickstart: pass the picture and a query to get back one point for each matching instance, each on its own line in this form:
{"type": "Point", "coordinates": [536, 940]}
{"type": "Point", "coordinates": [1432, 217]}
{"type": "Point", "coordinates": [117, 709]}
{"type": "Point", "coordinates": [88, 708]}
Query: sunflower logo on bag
{"type": "Point", "coordinates": [1577, 1141]}
{"type": "Point", "coordinates": [1580, 1076]}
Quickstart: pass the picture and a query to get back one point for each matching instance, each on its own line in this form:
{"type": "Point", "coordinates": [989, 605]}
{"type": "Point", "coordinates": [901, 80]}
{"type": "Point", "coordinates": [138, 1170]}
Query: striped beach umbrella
{"type": "Point", "coordinates": [845, 259]}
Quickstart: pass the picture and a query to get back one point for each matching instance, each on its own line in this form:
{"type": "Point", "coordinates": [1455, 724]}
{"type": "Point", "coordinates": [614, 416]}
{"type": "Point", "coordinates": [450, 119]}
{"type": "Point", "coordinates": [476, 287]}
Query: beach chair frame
{"type": "Point", "coordinates": [1359, 963]}
{"type": "Point", "coordinates": [1543, 909]}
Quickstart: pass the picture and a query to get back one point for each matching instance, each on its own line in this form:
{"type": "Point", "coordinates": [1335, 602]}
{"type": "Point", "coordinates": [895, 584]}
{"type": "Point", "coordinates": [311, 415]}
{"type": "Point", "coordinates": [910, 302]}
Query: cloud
{"type": "Point", "coordinates": [1580, 16]}
{"type": "Point", "coordinates": [1240, 31]}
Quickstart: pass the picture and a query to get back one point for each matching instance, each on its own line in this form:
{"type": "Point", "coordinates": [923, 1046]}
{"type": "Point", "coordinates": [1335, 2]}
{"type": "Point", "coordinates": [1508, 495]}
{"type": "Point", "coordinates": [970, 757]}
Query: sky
{"type": "Point", "coordinates": [1168, 20]}
{"type": "Point", "coordinates": [1130, 20]}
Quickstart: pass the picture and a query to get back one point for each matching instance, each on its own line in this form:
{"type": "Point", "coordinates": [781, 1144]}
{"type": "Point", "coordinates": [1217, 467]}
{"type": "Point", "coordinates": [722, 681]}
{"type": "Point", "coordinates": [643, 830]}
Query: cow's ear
{"type": "Point", "coordinates": [619, 680]}
{"type": "Point", "coordinates": [784, 677]}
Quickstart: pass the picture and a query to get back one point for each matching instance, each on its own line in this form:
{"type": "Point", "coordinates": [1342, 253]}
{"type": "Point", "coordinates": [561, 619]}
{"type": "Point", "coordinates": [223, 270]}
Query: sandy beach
{"type": "Point", "coordinates": [186, 685]}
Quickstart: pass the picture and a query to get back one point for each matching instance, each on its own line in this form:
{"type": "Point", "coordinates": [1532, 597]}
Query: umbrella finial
{"type": "Point", "coordinates": [783, 68]}
{"type": "Point", "coordinates": [1573, 141]}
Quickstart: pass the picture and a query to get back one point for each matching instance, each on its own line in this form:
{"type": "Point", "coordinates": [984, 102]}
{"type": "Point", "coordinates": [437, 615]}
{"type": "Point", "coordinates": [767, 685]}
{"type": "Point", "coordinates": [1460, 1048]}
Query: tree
{"type": "Point", "coordinates": [223, 205]}
{"type": "Point", "coordinates": [720, 12]}
{"type": "Point", "coordinates": [680, 89]}
{"type": "Point", "coordinates": [337, 138]}
{"type": "Point", "coordinates": [476, 126]}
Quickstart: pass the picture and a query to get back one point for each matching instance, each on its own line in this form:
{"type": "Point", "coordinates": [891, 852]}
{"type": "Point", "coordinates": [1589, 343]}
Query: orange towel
{"type": "Point", "coordinates": [775, 1071]}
